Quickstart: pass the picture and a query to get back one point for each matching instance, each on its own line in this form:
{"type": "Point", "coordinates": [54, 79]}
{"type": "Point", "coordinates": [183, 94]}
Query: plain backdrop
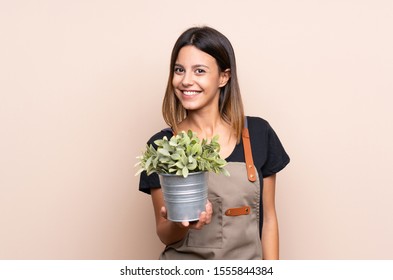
{"type": "Point", "coordinates": [81, 86]}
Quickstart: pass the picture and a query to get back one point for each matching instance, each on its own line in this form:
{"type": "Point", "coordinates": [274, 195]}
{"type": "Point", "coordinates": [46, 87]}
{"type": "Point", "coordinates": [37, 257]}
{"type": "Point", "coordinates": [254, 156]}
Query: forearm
{"type": "Point", "coordinates": [270, 240]}
{"type": "Point", "coordinates": [170, 232]}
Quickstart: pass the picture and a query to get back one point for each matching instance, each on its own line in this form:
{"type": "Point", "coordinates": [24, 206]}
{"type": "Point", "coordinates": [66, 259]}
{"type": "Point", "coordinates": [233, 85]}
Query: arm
{"type": "Point", "coordinates": [270, 241]}
{"type": "Point", "coordinates": [170, 232]}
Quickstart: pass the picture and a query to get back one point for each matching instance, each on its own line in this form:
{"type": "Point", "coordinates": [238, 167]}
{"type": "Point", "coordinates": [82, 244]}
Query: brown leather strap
{"type": "Point", "coordinates": [245, 210]}
{"type": "Point", "coordinates": [251, 172]}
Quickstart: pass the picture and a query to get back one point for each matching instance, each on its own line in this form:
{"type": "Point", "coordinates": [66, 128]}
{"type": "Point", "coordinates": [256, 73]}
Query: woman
{"type": "Point", "coordinates": [203, 95]}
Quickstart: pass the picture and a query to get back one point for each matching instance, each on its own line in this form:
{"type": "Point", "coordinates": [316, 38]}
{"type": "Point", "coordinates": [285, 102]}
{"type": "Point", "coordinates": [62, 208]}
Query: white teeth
{"type": "Point", "coordinates": [190, 92]}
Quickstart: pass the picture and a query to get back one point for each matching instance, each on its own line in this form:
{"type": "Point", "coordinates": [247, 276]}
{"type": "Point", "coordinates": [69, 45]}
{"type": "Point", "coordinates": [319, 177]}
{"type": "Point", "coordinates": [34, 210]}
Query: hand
{"type": "Point", "coordinates": [204, 218]}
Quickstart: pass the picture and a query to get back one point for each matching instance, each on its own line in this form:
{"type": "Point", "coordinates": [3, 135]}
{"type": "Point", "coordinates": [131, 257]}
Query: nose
{"type": "Point", "coordinates": [187, 79]}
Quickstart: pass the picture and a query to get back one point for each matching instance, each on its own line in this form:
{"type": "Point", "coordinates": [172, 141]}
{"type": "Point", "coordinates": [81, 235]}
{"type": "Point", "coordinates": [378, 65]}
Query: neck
{"type": "Point", "coordinates": [208, 125]}
{"type": "Point", "coordinates": [205, 124]}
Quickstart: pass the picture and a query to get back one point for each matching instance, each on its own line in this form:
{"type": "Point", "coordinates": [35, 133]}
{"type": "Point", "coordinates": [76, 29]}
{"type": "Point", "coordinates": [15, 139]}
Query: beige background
{"type": "Point", "coordinates": [81, 84]}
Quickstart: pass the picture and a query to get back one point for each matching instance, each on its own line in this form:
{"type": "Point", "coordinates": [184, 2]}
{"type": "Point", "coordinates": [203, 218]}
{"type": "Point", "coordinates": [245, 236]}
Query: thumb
{"type": "Point", "coordinates": [163, 212]}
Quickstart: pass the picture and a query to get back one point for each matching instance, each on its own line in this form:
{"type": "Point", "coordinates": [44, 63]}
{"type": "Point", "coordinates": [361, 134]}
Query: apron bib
{"type": "Point", "coordinates": [234, 230]}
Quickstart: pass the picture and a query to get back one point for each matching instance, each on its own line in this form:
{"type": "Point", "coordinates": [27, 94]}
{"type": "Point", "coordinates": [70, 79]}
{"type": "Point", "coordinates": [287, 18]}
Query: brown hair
{"type": "Point", "coordinates": [218, 46]}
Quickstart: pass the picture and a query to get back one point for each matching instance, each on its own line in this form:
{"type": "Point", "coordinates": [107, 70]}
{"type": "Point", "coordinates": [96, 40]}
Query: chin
{"type": "Point", "coordinates": [191, 108]}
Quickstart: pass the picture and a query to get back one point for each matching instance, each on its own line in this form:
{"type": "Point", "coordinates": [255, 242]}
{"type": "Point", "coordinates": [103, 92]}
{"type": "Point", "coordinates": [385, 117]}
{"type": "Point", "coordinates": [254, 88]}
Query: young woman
{"type": "Point", "coordinates": [203, 95]}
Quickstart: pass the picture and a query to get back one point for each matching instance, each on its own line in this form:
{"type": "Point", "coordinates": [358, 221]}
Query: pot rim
{"type": "Point", "coordinates": [175, 175]}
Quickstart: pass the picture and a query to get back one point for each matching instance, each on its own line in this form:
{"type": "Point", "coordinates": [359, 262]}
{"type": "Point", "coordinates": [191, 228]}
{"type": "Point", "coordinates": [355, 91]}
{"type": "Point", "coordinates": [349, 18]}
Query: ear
{"type": "Point", "coordinates": [224, 77]}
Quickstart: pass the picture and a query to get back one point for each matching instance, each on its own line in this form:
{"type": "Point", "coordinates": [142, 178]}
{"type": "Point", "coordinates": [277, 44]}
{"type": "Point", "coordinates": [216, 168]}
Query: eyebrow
{"type": "Point", "coordinates": [194, 66]}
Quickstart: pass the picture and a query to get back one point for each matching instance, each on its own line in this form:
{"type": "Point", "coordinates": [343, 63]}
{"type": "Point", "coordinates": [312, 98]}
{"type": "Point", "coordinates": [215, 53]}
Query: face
{"type": "Point", "coordinates": [197, 79]}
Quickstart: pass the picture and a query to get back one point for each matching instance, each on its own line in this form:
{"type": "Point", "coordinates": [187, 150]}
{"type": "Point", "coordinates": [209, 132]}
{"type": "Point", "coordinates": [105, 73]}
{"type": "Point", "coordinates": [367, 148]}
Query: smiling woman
{"type": "Point", "coordinates": [197, 80]}
{"type": "Point", "coordinates": [203, 96]}
{"type": "Point", "coordinates": [216, 49]}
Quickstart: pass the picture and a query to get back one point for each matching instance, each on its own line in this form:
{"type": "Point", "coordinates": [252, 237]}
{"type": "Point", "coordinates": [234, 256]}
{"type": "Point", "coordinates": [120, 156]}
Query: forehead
{"type": "Point", "coordinates": [190, 55]}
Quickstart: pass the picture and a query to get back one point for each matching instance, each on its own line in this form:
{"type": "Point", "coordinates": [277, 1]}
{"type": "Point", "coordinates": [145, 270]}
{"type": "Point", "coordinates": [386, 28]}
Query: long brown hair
{"type": "Point", "coordinates": [218, 46]}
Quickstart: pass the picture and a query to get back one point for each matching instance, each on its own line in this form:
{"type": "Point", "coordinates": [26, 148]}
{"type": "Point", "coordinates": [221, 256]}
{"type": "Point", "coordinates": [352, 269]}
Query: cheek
{"type": "Point", "coordinates": [176, 80]}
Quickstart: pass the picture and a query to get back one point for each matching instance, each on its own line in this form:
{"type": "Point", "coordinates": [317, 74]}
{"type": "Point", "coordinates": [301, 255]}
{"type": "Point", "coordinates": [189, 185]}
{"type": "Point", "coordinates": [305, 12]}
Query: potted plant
{"type": "Point", "coordinates": [182, 163]}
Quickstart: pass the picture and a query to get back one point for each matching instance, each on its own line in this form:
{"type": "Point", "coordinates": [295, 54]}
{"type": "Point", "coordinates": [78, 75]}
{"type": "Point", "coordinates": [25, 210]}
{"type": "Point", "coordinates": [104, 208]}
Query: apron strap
{"type": "Point", "coordinates": [251, 172]}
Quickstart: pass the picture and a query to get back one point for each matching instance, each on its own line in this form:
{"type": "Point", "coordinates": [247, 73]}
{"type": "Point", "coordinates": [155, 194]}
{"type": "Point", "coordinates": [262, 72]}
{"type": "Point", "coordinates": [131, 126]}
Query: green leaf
{"type": "Point", "coordinates": [173, 142]}
{"type": "Point", "coordinates": [184, 159]}
{"type": "Point", "coordinates": [155, 161]}
{"type": "Point", "coordinates": [164, 152]}
{"type": "Point", "coordinates": [179, 164]}
{"type": "Point", "coordinates": [148, 162]}
{"type": "Point", "coordinates": [151, 150]}
{"type": "Point", "coordinates": [192, 165]}
{"type": "Point", "coordinates": [215, 138]}
{"type": "Point", "coordinates": [196, 148]}
{"type": "Point", "coordinates": [201, 165]}
{"type": "Point", "coordinates": [188, 150]}
{"type": "Point", "coordinates": [139, 171]}
{"type": "Point", "coordinates": [164, 159]}
{"type": "Point", "coordinates": [225, 172]}
{"type": "Point", "coordinates": [159, 142]}
{"type": "Point", "coordinates": [221, 161]}
{"type": "Point", "coordinates": [185, 172]}
{"type": "Point", "coordinates": [175, 156]}
{"type": "Point", "coordinates": [166, 146]}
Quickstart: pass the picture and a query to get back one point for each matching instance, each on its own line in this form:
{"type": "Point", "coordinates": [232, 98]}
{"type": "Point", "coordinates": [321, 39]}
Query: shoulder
{"type": "Point", "coordinates": [159, 135]}
{"type": "Point", "coordinates": [257, 121]}
{"type": "Point", "coordinates": [261, 131]}
{"type": "Point", "coordinates": [257, 125]}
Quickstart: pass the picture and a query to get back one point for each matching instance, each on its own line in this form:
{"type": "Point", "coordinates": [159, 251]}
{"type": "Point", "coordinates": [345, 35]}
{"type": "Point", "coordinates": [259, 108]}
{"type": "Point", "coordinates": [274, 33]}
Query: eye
{"type": "Point", "coordinates": [199, 71]}
{"type": "Point", "coordinates": [178, 70]}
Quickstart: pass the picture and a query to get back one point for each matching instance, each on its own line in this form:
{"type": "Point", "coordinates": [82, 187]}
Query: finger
{"type": "Point", "coordinates": [185, 223]}
{"type": "Point", "coordinates": [209, 208]}
{"type": "Point", "coordinates": [209, 213]}
{"type": "Point", "coordinates": [202, 217]}
{"type": "Point", "coordinates": [202, 221]}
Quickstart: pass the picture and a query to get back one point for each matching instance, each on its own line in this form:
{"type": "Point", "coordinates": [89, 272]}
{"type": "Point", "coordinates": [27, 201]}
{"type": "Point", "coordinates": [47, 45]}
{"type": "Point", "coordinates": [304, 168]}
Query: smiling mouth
{"type": "Point", "coordinates": [190, 92]}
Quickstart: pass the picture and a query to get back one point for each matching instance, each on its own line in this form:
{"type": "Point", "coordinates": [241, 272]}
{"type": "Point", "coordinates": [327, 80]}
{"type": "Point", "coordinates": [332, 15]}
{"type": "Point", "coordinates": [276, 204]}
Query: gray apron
{"type": "Point", "coordinates": [234, 230]}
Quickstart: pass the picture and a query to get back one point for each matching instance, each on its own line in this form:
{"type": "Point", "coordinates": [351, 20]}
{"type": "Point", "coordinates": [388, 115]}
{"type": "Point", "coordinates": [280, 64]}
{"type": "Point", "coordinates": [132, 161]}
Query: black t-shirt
{"type": "Point", "coordinates": [268, 154]}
